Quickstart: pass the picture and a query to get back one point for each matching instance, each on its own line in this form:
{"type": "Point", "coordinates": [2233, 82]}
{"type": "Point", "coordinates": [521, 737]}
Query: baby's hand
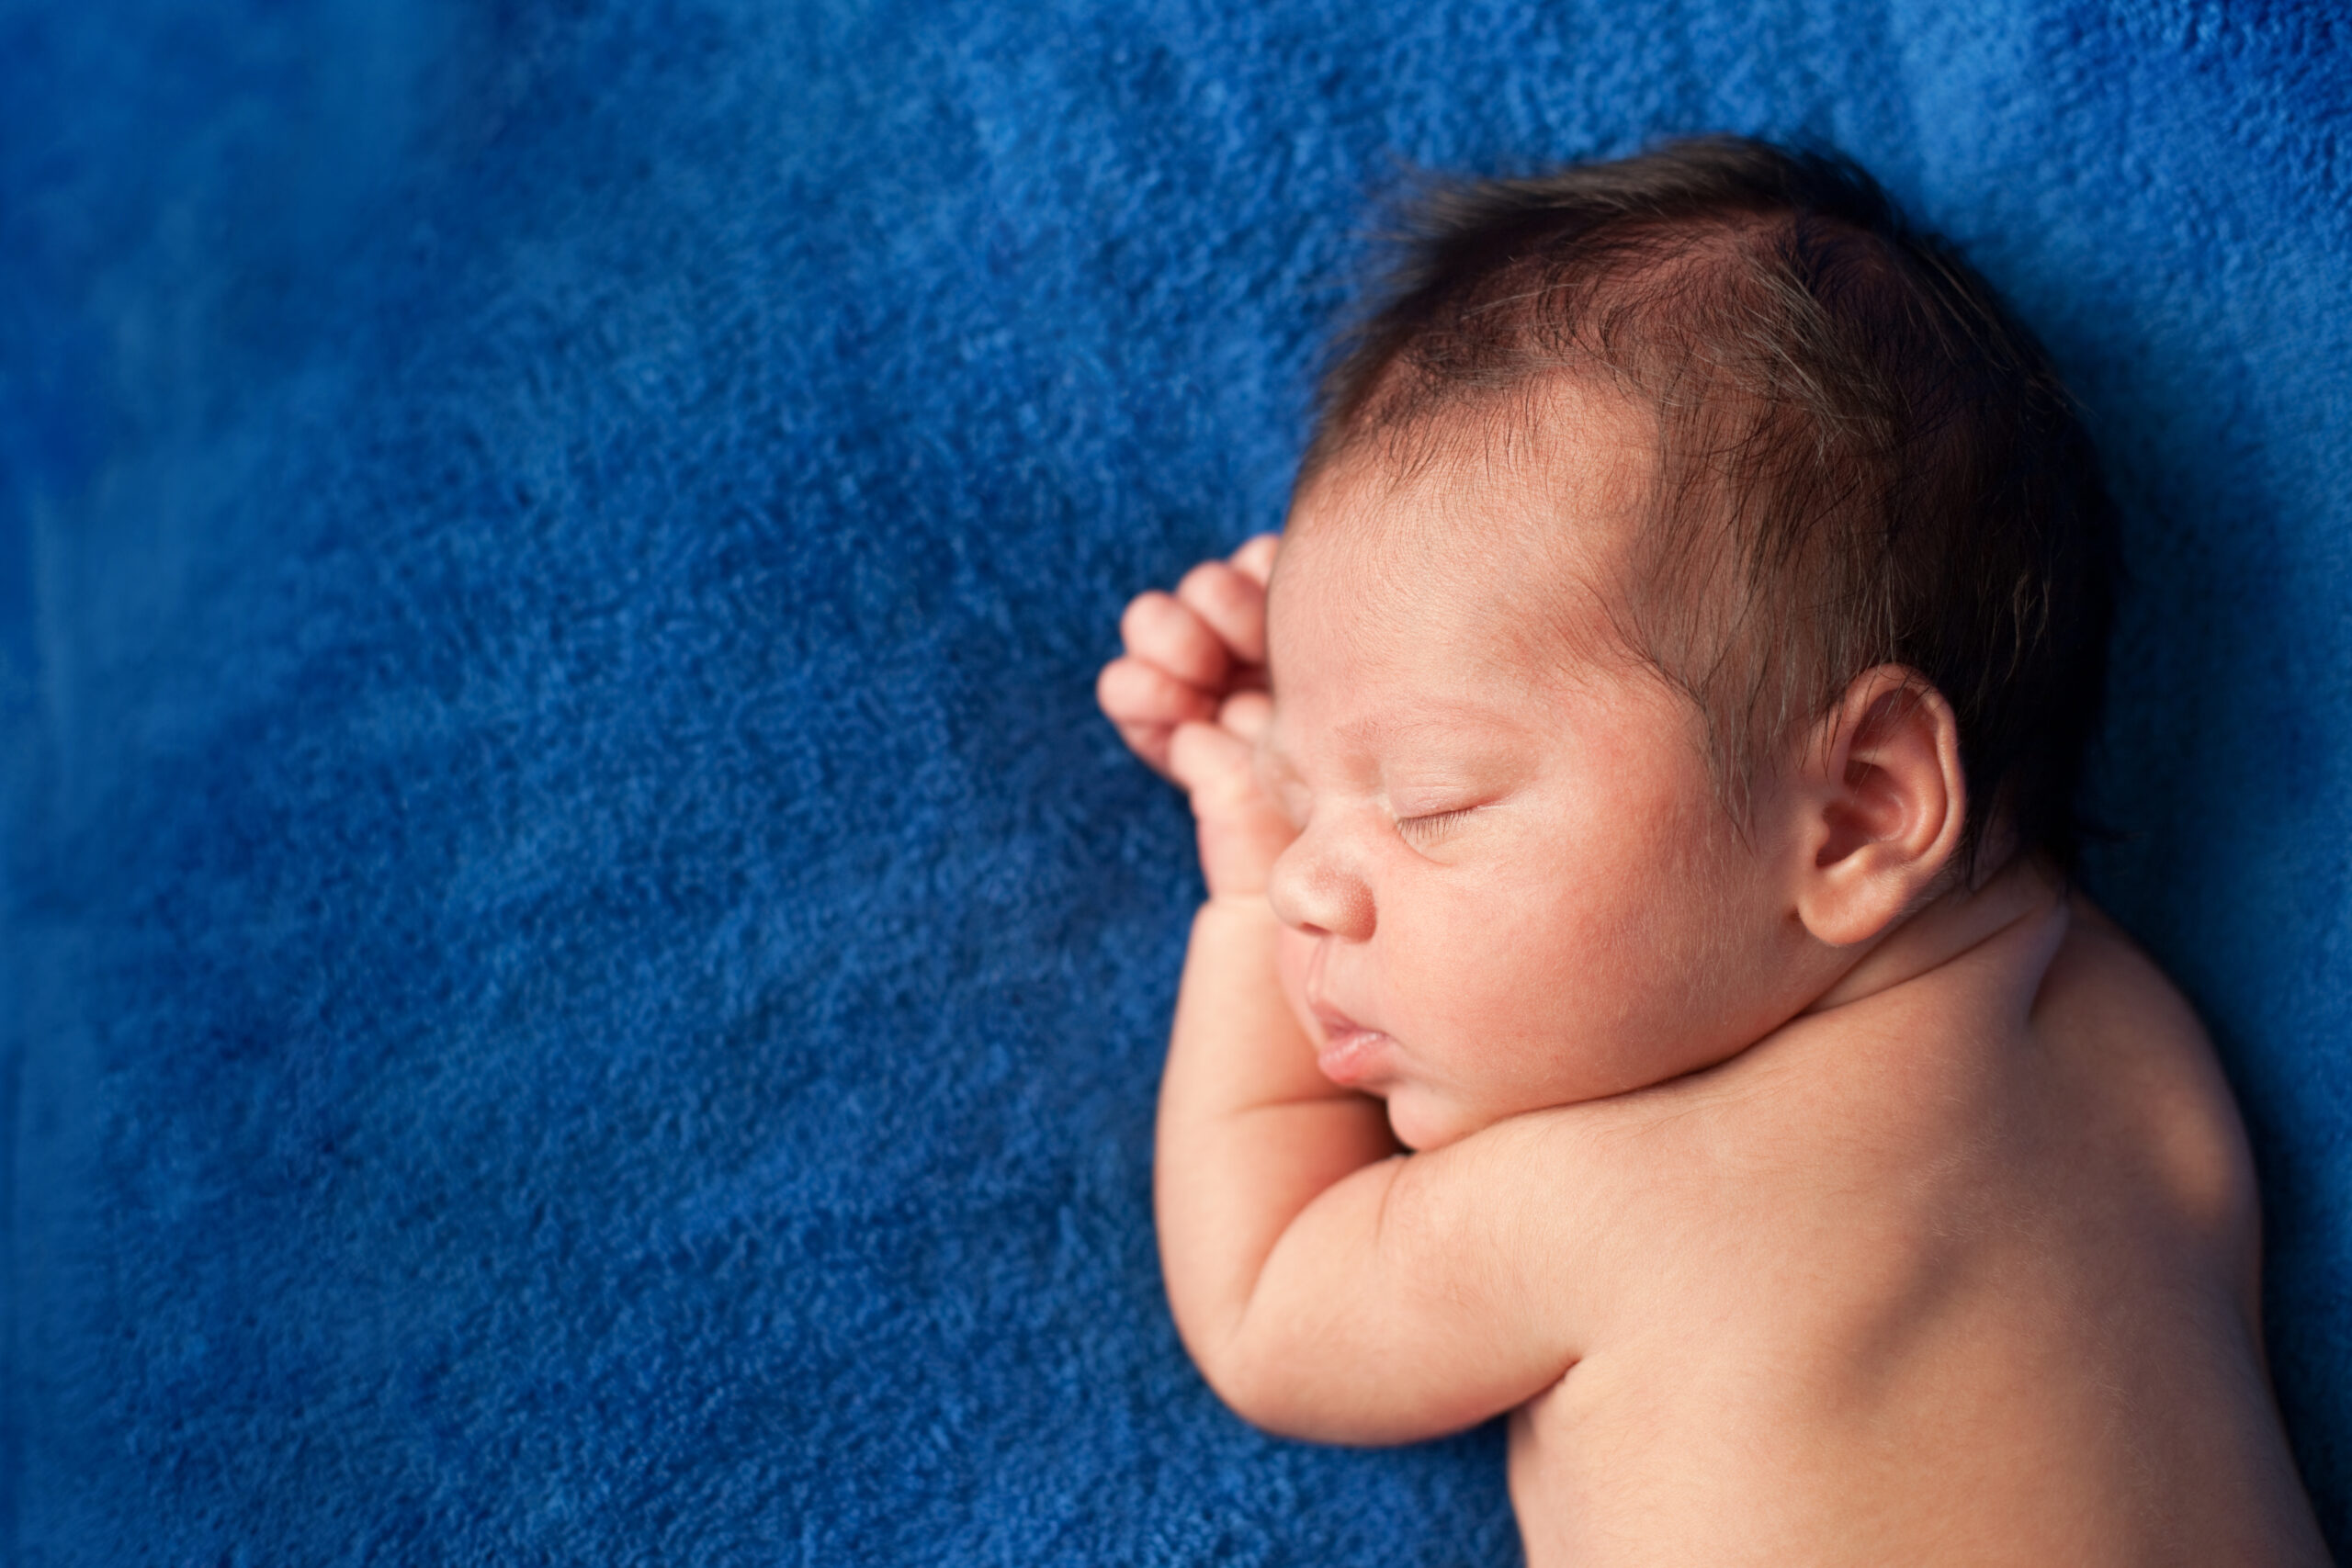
{"type": "Point", "coordinates": [1190, 697]}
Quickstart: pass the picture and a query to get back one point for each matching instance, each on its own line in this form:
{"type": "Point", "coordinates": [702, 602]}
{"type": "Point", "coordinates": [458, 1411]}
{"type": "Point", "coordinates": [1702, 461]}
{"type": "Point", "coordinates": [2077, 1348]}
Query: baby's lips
{"type": "Point", "coordinates": [1336, 1025]}
{"type": "Point", "coordinates": [1351, 1055]}
{"type": "Point", "coordinates": [1331, 1021]}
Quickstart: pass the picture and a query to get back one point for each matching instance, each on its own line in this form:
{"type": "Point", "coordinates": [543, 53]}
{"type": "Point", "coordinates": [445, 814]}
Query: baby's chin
{"type": "Point", "coordinates": [1425, 1119]}
{"type": "Point", "coordinates": [1424, 1122]}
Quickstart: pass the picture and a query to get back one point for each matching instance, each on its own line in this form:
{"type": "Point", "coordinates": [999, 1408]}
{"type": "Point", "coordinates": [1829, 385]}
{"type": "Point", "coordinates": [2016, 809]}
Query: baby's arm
{"type": "Point", "coordinates": [1326, 1286]}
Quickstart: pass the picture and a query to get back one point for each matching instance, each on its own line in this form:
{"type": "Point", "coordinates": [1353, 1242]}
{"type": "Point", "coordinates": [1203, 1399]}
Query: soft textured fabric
{"type": "Point", "coordinates": [583, 982]}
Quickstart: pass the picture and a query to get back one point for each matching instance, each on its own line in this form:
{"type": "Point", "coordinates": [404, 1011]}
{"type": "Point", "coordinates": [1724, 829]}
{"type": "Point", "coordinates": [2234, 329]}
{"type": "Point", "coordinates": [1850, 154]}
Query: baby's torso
{"type": "Point", "coordinates": [1962, 1274]}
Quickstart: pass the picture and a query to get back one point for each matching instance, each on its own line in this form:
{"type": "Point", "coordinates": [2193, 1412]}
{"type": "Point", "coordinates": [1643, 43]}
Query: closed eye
{"type": "Point", "coordinates": [1424, 831]}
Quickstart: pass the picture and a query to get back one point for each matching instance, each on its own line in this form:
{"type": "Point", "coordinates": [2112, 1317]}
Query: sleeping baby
{"type": "Point", "coordinates": [1640, 988]}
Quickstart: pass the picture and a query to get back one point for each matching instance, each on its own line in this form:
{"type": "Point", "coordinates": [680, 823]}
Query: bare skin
{"type": "Point", "coordinates": [1799, 1201]}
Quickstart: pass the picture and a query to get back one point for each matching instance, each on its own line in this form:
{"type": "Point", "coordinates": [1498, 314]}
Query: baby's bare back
{"type": "Point", "coordinates": [1963, 1272]}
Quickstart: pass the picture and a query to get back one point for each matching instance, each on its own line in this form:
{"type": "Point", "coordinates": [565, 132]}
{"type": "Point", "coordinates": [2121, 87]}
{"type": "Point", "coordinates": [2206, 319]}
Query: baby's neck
{"type": "Point", "coordinates": [1955, 922]}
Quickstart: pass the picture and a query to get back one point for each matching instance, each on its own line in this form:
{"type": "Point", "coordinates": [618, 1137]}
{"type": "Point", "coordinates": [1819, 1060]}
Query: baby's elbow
{"type": "Point", "coordinates": [1262, 1387]}
{"type": "Point", "coordinates": [1278, 1412]}
{"type": "Point", "coordinates": [1284, 1393]}
{"type": "Point", "coordinates": [1240, 1378]}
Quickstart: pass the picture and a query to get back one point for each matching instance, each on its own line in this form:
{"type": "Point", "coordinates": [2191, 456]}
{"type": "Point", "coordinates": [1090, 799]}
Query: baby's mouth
{"type": "Point", "coordinates": [1349, 1052]}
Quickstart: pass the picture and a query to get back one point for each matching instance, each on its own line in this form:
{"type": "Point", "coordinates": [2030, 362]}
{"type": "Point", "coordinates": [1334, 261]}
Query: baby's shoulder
{"type": "Point", "coordinates": [2056, 1067]}
{"type": "Point", "coordinates": [2136, 1070]}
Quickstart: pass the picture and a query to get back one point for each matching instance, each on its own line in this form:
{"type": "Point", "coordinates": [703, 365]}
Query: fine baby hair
{"type": "Point", "coordinates": [1862, 457]}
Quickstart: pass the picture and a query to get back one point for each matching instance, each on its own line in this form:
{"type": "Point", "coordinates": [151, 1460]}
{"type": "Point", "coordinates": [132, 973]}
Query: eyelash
{"type": "Point", "coordinates": [1427, 829]}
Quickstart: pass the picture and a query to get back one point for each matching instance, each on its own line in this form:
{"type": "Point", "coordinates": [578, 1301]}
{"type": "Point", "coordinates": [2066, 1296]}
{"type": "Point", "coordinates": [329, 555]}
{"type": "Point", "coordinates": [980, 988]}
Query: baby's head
{"type": "Point", "coordinates": [1694, 572]}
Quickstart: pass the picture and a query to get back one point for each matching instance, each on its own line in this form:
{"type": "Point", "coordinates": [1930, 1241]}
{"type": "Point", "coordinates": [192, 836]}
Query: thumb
{"type": "Point", "coordinates": [1247, 714]}
{"type": "Point", "coordinates": [1242, 833]}
{"type": "Point", "coordinates": [1214, 766]}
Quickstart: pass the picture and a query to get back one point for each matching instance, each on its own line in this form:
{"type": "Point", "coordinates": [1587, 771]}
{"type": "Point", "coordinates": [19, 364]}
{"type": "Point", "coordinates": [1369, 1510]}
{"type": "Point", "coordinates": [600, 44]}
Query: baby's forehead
{"type": "Point", "coordinates": [1511, 517]}
{"type": "Point", "coordinates": [1558, 464]}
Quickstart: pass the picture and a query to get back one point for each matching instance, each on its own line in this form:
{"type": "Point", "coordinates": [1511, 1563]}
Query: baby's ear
{"type": "Point", "coordinates": [1882, 805]}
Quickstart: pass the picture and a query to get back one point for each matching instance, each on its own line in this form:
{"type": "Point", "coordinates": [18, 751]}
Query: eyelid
{"type": "Point", "coordinates": [1428, 826]}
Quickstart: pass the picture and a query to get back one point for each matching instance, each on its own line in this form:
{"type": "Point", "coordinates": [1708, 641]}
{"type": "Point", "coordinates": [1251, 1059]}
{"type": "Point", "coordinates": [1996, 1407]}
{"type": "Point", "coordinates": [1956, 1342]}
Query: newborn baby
{"type": "Point", "coordinates": [1640, 988]}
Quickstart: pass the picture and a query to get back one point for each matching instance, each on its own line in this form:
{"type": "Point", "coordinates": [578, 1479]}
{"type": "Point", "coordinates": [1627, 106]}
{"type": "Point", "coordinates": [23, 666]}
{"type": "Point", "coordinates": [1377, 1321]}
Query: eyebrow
{"type": "Point", "coordinates": [1368, 731]}
{"type": "Point", "coordinates": [1381, 727]}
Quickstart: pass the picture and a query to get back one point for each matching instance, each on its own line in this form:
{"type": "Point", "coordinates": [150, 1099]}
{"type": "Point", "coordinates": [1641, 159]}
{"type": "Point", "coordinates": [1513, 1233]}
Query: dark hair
{"type": "Point", "coordinates": [1864, 458]}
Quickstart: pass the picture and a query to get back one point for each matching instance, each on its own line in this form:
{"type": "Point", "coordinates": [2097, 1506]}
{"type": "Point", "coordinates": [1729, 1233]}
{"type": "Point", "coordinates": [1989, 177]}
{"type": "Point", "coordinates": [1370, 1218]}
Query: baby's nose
{"type": "Point", "coordinates": [1314, 890]}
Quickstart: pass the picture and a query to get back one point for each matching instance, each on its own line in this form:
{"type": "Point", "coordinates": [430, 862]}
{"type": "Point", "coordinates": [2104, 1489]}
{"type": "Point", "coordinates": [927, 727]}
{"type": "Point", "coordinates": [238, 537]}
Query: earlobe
{"type": "Point", "coordinates": [1883, 803]}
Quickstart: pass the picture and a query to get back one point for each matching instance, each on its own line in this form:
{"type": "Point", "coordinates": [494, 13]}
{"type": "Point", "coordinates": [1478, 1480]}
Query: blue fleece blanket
{"type": "Point", "coordinates": [583, 982]}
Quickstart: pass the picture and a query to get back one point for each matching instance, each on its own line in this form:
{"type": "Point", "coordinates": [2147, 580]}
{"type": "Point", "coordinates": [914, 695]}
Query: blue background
{"type": "Point", "coordinates": [582, 980]}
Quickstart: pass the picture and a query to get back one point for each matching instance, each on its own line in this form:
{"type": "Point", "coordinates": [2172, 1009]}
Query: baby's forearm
{"type": "Point", "coordinates": [1250, 1132]}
